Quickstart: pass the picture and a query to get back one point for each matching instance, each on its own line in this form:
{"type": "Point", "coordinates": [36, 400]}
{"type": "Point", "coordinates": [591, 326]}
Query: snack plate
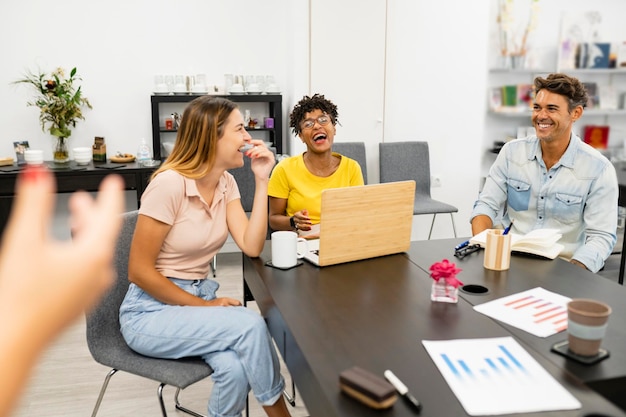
{"type": "Point", "coordinates": [122, 159]}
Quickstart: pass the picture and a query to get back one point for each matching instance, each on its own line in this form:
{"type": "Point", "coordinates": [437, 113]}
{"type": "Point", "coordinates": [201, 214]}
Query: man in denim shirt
{"type": "Point", "coordinates": [554, 180]}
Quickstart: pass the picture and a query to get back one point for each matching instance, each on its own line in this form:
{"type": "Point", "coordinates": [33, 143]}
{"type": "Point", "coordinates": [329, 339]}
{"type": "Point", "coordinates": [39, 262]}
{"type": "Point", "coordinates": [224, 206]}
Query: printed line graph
{"type": "Point", "coordinates": [537, 311]}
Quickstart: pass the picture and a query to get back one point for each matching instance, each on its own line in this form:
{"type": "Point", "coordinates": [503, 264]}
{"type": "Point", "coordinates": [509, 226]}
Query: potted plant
{"type": "Point", "coordinates": [60, 103]}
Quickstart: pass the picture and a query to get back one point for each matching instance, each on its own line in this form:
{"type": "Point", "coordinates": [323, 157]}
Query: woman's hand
{"type": "Point", "coordinates": [223, 302]}
{"type": "Point", "coordinates": [302, 220]}
{"type": "Point", "coordinates": [262, 159]}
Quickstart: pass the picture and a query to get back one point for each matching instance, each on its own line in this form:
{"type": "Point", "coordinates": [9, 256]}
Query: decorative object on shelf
{"type": "Point", "coordinates": [99, 150]}
{"type": "Point", "coordinates": [579, 31]}
{"type": "Point", "coordinates": [512, 36]}
{"type": "Point", "coordinates": [20, 147]}
{"type": "Point", "coordinates": [596, 136]}
{"type": "Point", "coordinates": [445, 287]}
{"type": "Point", "coordinates": [60, 103]}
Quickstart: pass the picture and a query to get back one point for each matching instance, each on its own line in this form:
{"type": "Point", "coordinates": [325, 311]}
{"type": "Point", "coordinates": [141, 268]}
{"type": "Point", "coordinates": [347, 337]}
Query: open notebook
{"type": "Point", "coordinates": [363, 222]}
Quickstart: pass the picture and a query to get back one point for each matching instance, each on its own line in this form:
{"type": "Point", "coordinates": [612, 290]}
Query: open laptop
{"type": "Point", "coordinates": [363, 222]}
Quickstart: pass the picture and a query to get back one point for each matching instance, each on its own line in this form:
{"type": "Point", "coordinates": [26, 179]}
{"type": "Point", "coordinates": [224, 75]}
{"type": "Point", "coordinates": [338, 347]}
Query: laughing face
{"type": "Point", "coordinates": [317, 131]}
{"type": "Point", "coordinates": [235, 137]}
{"type": "Point", "coordinates": [551, 116]}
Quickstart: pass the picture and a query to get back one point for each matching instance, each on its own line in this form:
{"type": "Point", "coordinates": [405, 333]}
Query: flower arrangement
{"type": "Point", "coordinates": [511, 43]}
{"type": "Point", "coordinates": [445, 286]}
{"type": "Point", "coordinates": [60, 102]}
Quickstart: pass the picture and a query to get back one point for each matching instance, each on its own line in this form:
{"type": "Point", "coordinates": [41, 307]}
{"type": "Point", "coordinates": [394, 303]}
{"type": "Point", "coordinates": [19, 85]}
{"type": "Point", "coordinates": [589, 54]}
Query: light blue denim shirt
{"type": "Point", "coordinates": [578, 196]}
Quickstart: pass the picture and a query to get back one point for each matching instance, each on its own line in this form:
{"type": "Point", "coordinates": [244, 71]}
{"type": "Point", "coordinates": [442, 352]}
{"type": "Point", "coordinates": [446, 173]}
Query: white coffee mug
{"type": "Point", "coordinates": [285, 247]}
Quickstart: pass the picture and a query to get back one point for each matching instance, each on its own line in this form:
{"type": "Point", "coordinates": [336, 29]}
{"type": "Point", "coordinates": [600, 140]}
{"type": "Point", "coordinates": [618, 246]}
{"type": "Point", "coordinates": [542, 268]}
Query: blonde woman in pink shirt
{"type": "Point", "coordinates": [190, 206]}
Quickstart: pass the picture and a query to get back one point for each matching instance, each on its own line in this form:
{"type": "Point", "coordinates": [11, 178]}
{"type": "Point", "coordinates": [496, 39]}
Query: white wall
{"type": "Point", "coordinates": [435, 61]}
{"type": "Point", "coordinates": [118, 46]}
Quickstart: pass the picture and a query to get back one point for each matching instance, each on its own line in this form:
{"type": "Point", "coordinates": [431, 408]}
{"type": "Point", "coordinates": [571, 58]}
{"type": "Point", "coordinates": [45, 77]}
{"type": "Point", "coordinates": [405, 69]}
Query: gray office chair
{"type": "Point", "coordinates": [411, 161]}
{"type": "Point", "coordinates": [353, 150]}
{"type": "Point", "coordinates": [108, 347]}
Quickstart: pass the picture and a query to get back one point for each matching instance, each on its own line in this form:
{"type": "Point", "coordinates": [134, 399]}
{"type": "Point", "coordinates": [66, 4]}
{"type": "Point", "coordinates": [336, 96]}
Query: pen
{"type": "Point", "coordinates": [461, 245]}
{"type": "Point", "coordinates": [508, 228]}
{"type": "Point", "coordinates": [402, 390]}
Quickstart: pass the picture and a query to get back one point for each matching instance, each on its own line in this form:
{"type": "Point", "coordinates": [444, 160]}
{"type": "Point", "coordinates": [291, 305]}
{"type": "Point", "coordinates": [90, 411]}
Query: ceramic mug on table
{"type": "Point", "coordinates": [285, 245]}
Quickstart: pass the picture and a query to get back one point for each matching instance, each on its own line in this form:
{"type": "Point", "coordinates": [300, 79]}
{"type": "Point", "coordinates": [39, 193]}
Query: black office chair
{"type": "Point", "coordinates": [356, 151]}
{"type": "Point", "coordinates": [411, 161]}
{"type": "Point", "coordinates": [108, 347]}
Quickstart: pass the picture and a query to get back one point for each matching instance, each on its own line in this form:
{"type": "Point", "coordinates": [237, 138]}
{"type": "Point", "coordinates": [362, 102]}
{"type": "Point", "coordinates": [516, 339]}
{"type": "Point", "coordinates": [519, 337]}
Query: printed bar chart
{"type": "Point", "coordinates": [537, 311]}
{"type": "Point", "coordinates": [488, 375]}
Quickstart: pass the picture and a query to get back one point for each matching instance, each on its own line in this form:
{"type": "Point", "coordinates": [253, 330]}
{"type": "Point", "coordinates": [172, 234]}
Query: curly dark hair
{"type": "Point", "coordinates": [569, 87]}
{"type": "Point", "coordinates": [307, 105]}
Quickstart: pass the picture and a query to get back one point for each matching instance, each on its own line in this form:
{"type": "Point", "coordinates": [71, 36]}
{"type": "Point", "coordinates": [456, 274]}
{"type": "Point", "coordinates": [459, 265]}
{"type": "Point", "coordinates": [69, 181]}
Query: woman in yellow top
{"type": "Point", "coordinates": [296, 184]}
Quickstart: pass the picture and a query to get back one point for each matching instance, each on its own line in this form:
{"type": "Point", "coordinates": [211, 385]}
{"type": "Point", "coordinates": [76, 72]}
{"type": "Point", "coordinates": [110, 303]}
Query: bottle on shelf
{"type": "Point", "coordinates": [144, 153]}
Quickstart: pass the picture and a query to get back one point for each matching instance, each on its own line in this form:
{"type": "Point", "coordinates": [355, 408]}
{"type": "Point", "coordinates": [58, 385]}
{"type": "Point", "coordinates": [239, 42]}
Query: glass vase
{"type": "Point", "coordinates": [60, 153]}
{"type": "Point", "coordinates": [444, 293]}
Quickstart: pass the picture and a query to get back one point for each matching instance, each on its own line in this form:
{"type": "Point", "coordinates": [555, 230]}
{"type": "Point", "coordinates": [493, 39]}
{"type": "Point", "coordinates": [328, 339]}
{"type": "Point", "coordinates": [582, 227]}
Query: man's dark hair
{"type": "Point", "coordinates": [307, 105]}
{"type": "Point", "coordinates": [569, 87]}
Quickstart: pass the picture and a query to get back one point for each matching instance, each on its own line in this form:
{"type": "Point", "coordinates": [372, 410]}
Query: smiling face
{"type": "Point", "coordinates": [235, 136]}
{"type": "Point", "coordinates": [551, 116]}
{"type": "Point", "coordinates": [317, 131]}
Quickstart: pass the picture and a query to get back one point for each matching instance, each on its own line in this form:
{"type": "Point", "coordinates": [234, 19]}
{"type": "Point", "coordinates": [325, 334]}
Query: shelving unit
{"type": "Point", "coordinates": [273, 103]}
{"type": "Point", "coordinates": [502, 125]}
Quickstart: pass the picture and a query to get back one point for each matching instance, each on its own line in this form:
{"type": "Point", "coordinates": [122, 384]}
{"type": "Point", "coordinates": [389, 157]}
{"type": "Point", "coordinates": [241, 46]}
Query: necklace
{"type": "Point", "coordinates": [319, 170]}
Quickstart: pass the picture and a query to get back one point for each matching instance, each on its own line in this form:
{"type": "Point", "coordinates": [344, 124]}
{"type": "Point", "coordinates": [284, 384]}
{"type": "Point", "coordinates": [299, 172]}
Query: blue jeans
{"type": "Point", "coordinates": [234, 341]}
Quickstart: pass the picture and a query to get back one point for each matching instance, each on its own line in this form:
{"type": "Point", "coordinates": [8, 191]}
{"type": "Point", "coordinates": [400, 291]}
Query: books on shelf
{"type": "Point", "coordinates": [596, 136]}
{"type": "Point", "coordinates": [511, 98]}
{"type": "Point", "coordinates": [509, 95]}
{"type": "Point", "coordinates": [539, 242]}
{"type": "Point", "coordinates": [592, 93]}
{"type": "Point", "coordinates": [621, 55]}
{"type": "Point", "coordinates": [593, 55]}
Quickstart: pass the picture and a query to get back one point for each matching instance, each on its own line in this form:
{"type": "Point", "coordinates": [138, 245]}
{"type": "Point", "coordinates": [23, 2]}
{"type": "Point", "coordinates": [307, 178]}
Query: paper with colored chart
{"type": "Point", "coordinates": [497, 376]}
{"type": "Point", "coordinates": [537, 311]}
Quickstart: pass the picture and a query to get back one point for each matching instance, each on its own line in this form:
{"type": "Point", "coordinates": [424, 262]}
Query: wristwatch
{"type": "Point", "coordinates": [292, 222]}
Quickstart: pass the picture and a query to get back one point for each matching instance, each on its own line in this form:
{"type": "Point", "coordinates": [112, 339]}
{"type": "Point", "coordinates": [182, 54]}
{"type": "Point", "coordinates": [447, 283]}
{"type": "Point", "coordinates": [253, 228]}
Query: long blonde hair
{"type": "Point", "coordinates": [196, 142]}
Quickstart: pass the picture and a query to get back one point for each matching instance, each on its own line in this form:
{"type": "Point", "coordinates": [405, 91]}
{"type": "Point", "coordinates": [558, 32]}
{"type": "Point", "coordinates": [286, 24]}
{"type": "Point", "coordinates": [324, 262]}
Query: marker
{"type": "Point", "coordinates": [508, 229]}
{"type": "Point", "coordinates": [402, 390]}
{"type": "Point", "coordinates": [461, 245]}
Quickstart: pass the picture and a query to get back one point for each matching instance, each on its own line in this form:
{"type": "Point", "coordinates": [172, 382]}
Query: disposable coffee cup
{"type": "Point", "coordinates": [497, 250]}
{"type": "Point", "coordinates": [587, 321]}
{"type": "Point", "coordinates": [285, 249]}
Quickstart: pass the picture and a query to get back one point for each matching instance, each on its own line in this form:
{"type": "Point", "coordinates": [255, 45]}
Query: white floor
{"type": "Point", "coordinates": [67, 380]}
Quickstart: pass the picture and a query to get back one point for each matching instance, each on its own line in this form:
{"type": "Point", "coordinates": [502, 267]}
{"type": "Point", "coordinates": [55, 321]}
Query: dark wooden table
{"type": "Point", "coordinates": [71, 177]}
{"type": "Point", "coordinates": [374, 314]}
{"type": "Point", "coordinates": [557, 276]}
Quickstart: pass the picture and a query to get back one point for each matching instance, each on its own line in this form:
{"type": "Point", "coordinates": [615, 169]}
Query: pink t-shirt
{"type": "Point", "coordinates": [198, 230]}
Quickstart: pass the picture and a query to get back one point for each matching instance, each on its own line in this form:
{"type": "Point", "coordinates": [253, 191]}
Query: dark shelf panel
{"type": "Point", "coordinates": [274, 102]}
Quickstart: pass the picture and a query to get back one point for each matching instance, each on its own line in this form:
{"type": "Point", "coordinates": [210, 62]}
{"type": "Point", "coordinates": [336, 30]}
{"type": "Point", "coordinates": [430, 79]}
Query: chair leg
{"type": "Point", "coordinates": [161, 403]}
{"type": "Point", "coordinates": [431, 226]}
{"type": "Point", "coordinates": [291, 399]}
{"type": "Point", "coordinates": [214, 265]}
{"type": "Point", "coordinates": [105, 384]}
{"type": "Point", "coordinates": [453, 225]}
{"type": "Point", "coordinates": [183, 409]}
